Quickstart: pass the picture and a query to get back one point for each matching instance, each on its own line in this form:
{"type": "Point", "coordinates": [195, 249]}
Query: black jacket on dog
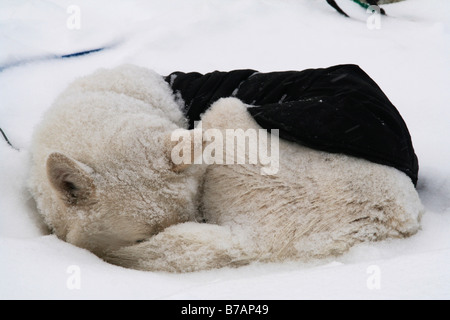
{"type": "Point", "coordinates": [338, 109]}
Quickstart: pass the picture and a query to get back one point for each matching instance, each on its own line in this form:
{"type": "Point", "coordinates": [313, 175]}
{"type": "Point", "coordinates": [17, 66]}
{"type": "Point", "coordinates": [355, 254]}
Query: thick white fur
{"type": "Point", "coordinates": [317, 205]}
{"type": "Point", "coordinates": [108, 134]}
{"type": "Point", "coordinates": [114, 125]}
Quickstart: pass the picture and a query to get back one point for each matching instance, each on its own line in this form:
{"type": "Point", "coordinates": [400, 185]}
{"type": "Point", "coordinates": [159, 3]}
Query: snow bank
{"type": "Point", "coordinates": [407, 56]}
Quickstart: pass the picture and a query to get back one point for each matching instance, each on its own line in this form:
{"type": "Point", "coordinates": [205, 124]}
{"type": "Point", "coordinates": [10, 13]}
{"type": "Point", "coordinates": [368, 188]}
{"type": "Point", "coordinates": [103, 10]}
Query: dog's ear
{"type": "Point", "coordinates": [185, 147]}
{"type": "Point", "coordinates": [72, 180]}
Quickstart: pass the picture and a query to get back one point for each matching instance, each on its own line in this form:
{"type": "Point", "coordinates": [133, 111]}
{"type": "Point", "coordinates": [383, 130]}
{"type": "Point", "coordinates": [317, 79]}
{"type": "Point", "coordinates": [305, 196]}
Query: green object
{"type": "Point", "coordinates": [364, 5]}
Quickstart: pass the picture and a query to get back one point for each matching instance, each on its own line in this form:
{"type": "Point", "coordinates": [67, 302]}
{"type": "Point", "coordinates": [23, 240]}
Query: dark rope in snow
{"type": "Point", "coordinates": [7, 140]}
{"type": "Point", "coordinates": [54, 57]}
{"type": "Point", "coordinates": [335, 6]}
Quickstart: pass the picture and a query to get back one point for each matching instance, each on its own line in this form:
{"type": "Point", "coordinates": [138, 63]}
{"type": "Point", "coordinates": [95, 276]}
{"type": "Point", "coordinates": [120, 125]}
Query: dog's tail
{"type": "Point", "coordinates": [185, 247]}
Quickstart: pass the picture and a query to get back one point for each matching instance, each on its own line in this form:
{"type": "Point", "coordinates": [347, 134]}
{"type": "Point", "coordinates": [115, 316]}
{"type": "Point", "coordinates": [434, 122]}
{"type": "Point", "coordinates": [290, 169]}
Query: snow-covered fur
{"type": "Point", "coordinates": [104, 180]}
{"type": "Point", "coordinates": [101, 171]}
{"type": "Point", "coordinates": [317, 205]}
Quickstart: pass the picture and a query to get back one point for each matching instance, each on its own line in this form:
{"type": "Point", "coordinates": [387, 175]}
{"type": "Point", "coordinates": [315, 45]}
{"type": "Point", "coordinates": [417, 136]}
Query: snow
{"type": "Point", "coordinates": [408, 57]}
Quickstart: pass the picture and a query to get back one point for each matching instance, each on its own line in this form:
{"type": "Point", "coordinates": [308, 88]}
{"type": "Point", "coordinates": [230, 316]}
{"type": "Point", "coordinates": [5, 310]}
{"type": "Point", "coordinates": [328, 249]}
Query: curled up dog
{"type": "Point", "coordinates": [106, 178]}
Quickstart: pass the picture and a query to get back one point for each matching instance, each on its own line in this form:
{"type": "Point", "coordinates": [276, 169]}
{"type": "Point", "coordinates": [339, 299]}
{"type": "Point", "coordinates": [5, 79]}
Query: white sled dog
{"type": "Point", "coordinates": [103, 178]}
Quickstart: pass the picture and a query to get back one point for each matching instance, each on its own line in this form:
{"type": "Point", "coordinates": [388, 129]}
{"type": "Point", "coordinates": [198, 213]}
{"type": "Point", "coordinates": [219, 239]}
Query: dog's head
{"type": "Point", "coordinates": [109, 205]}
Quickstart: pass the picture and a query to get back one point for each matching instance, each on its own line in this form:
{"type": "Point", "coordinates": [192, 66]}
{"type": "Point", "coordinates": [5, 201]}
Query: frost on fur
{"type": "Point", "coordinates": [101, 170]}
{"type": "Point", "coordinates": [104, 179]}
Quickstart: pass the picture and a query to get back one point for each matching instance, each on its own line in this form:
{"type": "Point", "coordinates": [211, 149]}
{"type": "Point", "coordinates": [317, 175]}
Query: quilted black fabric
{"type": "Point", "coordinates": [339, 109]}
